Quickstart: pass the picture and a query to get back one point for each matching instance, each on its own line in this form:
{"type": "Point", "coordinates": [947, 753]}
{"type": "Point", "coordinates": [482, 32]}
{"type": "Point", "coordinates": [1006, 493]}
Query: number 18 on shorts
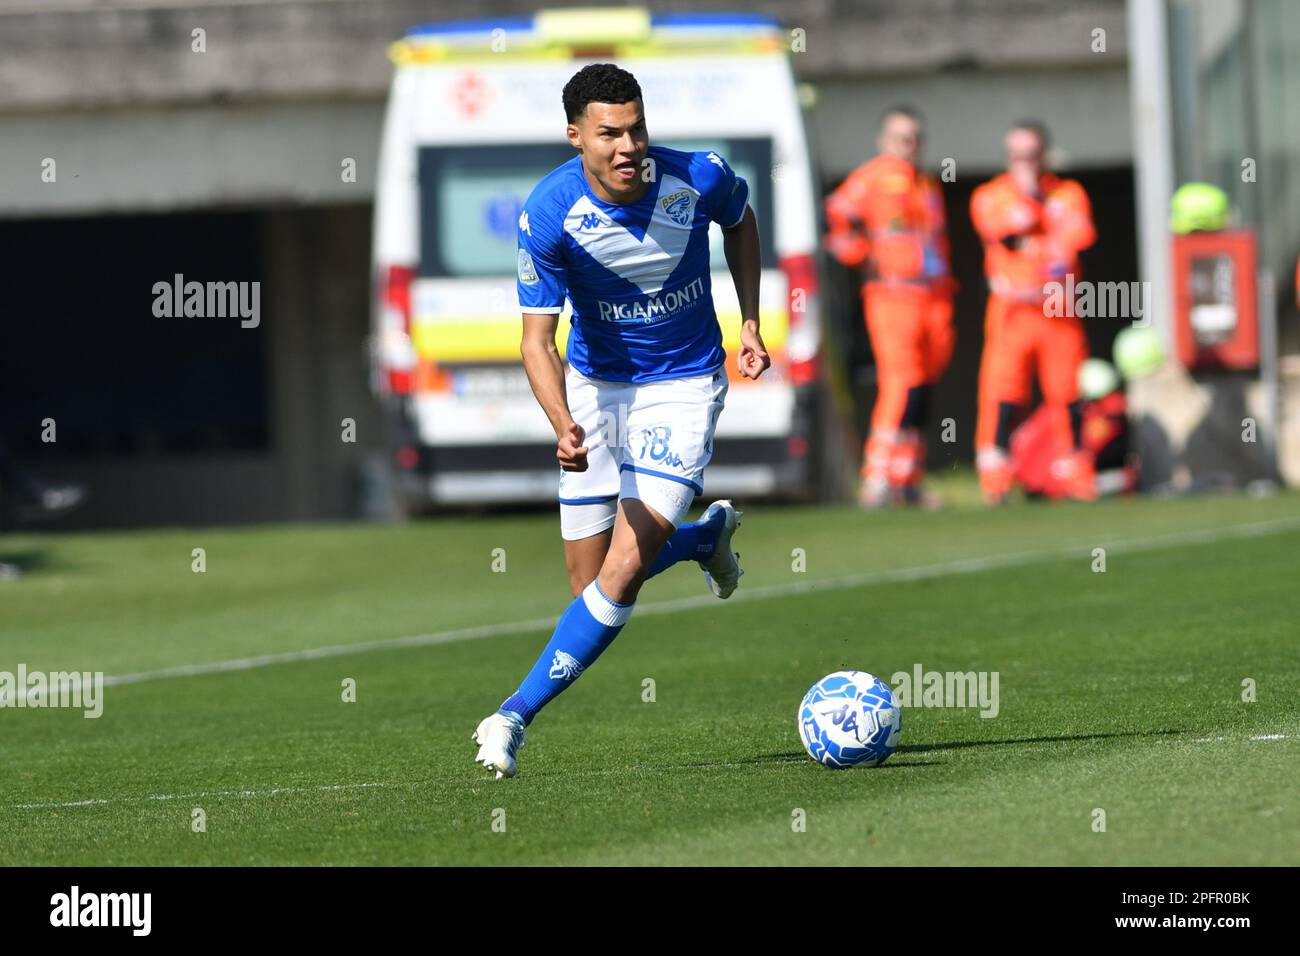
{"type": "Point", "coordinates": [649, 441]}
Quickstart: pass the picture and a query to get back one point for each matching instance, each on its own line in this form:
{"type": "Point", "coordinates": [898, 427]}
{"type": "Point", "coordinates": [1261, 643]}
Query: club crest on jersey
{"type": "Point", "coordinates": [678, 206]}
{"type": "Point", "coordinates": [565, 666]}
{"type": "Point", "coordinates": [527, 273]}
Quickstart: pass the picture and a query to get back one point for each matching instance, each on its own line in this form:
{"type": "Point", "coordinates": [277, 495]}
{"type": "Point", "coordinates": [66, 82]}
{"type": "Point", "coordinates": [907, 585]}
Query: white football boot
{"type": "Point", "coordinates": [499, 737]}
{"type": "Point", "coordinates": [722, 570]}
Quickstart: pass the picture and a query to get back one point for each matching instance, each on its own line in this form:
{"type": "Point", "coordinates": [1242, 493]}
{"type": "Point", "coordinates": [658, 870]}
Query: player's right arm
{"type": "Point", "coordinates": [545, 371]}
{"type": "Point", "coordinates": [542, 285]}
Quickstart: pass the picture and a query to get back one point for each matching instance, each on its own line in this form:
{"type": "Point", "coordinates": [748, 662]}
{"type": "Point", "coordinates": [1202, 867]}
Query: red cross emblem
{"type": "Point", "coordinates": [471, 94]}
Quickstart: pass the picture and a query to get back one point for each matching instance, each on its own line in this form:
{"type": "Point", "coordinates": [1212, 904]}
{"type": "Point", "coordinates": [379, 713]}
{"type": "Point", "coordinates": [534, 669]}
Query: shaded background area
{"type": "Point", "coordinates": [183, 419]}
{"type": "Point", "coordinates": [84, 348]}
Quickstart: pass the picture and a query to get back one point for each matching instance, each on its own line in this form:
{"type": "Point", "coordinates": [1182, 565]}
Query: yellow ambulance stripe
{"type": "Point", "coordinates": [495, 338]}
{"type": "Point", "coordinates": [414, 53]}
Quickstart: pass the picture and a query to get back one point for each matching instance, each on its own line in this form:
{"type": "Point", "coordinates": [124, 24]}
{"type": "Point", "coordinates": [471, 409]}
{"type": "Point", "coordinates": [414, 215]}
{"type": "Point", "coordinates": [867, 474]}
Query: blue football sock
{"type": "Point", "coordinates": [690, 542]}
{"type": "Point", "coordinates": [585, 629]}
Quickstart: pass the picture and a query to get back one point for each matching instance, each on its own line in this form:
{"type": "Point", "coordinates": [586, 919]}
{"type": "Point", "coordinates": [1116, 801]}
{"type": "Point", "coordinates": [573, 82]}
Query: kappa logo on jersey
{"type": "Point", "coordinates": [523, 223]}
{"type": "Point", "coordinates": [565, 666]}
{"type": "Point", "coordinates": [678, 207]}
{"type": "Point", "coordinates": [591, 221]}
{"type": "Point", "coordinates": [527, 273]}
{"type": "Point", "coordinates": [717, 160]}
{"type": "Point", "coordinates": [645, 262]}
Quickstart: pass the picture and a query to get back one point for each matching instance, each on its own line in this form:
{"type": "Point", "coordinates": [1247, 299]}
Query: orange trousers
{"type": "Point", "coordinates": [1020, 340]}
{"type": "Point", "coordinates": [912, 338]}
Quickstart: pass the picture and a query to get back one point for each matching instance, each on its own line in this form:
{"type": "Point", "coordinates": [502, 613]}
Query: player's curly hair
{"type": "Point", "coordinates": [598, 83]}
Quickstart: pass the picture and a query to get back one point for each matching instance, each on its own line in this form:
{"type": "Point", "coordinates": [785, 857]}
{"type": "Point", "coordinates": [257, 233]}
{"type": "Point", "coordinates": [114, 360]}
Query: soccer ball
{"type": "Point", "coordinates": [850, 719]}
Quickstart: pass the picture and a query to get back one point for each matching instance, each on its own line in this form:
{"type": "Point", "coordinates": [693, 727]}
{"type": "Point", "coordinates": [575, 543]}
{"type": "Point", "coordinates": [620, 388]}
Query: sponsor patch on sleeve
{"type": "Point", "coordinates": [527, 274]}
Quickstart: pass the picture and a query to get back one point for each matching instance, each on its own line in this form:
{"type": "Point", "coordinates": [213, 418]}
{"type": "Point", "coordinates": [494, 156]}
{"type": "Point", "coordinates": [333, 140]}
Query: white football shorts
{"type": "Point", "coordinates": [650, 441]}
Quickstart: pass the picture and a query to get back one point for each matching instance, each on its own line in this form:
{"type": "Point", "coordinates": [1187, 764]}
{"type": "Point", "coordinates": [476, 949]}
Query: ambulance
{"type": "Point", "coordinates": [474, 121]}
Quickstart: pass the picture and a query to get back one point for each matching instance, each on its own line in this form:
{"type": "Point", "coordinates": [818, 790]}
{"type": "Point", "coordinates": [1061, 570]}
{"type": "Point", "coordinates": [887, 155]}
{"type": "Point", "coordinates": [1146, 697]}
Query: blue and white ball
{"type": "Point", "coordinates": [850, 719]}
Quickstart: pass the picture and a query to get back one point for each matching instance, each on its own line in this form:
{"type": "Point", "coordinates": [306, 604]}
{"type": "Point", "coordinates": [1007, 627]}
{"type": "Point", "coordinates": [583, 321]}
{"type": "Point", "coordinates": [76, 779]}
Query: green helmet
{"type": "Point", "coordinates": [1097, 379]}
{"type": "Point", "coordinates": [1198, 207]}
{"type": "Point", "coordinates": [1139, 351]}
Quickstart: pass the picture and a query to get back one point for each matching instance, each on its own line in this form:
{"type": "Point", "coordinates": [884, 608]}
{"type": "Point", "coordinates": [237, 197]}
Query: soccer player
{"type": "Point", "coordinates": [622, 231]}
{"type": "Point", "coordinates": [888, 217]}
{"type": "Point", "coordinates": [1033, 225]}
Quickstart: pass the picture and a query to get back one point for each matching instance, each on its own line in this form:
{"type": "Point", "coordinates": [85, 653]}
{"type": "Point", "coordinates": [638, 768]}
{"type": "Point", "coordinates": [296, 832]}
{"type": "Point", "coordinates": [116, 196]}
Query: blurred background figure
{"type": "Point", "coordinates": [887, 218]}
{"type": "Point", "coordinates": [26, 498]}
{"type": "Point", "coordinates": [1044, 439]}
{"type": "Point", "coordinates": [1033, 226]}
{"type": "Point", "coordinates": [29, 498]}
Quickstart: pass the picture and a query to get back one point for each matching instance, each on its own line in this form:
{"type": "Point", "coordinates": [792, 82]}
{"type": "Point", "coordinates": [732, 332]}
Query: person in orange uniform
{"type": "Point", "coordinates": [887, 218]}
{"type": "Point", "coordinates": [1033, 225]}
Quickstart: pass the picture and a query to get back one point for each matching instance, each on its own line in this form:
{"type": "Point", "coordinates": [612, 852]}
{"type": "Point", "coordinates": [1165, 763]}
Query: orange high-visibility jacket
{"type": "Point", "coordinates": [1031, 241]}
{"type": "Point", "coordinates": [888, 216]}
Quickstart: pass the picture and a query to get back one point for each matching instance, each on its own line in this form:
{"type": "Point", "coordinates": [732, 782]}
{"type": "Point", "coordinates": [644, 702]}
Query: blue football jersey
{"type": "Point", "coordinates": [636, 274]}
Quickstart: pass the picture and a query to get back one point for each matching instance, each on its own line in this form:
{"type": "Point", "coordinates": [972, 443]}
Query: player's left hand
{"type": "Point", "coordinates": [753, 359]}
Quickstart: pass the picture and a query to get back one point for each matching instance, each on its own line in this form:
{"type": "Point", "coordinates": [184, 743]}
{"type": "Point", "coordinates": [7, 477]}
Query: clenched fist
{"type": "Point", "coordinates": [570, 450]}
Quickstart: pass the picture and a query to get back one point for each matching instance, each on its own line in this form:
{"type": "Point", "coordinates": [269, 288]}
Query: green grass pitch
{"type": "Point", "coordinates": [1119, 691]}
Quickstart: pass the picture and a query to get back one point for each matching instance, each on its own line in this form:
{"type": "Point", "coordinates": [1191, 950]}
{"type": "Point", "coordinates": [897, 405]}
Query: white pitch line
{"type": "Point", "coordinates": [865, 579]}
{"type": "Point", "coordinates": [273, 791]}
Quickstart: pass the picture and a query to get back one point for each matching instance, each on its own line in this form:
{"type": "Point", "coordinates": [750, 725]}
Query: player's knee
{"type": "Point", "coordinates": [623, 564]}
{"type": "Point", "coordinates": [579, 581]}
{"type": "Point", "coordinates": [583, 568]}
{"type": "Point", "coordinates": [623, 573]}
